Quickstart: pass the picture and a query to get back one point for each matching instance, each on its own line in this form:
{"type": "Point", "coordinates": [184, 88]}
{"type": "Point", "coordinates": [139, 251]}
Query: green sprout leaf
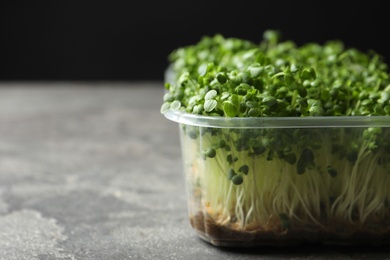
{"type": "Point", "coordinates": [211, 94]}
{"type": "Point", "coordinates": [244, 169]}
{"type": "Point", "coordinates": [211, 153]}
{"type": "Point", "coordinates": [237, 179]}
{"type": "Point", "coordinates": [230, 109]}
{"type": "Point", "coordinates": [165, 107]}
{"type": "Point", "coordinates": [209, 105]}
{"type": "Point", "coordinates": [175, 105]}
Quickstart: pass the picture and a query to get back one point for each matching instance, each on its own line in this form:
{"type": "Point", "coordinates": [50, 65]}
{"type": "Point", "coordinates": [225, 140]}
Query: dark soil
{"type": "Point", "coordinates": [229, 235]}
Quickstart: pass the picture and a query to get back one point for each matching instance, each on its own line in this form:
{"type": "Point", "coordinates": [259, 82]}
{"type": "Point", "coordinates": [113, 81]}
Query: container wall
{"type": "Point", "coordinates": [279, 186]}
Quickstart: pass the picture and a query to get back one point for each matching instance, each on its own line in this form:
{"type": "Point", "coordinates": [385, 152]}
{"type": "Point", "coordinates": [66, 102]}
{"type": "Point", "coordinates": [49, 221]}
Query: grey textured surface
{"type": "Point", "coordinates": [93, 171]}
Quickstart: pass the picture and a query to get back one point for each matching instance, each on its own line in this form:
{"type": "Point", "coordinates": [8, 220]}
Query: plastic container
{"type": "Point", "coordinates": [287, 181]}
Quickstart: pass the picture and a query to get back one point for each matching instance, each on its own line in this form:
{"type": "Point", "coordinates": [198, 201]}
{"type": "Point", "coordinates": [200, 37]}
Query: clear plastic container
{"type": "Point", "coordinates": [287, 181]}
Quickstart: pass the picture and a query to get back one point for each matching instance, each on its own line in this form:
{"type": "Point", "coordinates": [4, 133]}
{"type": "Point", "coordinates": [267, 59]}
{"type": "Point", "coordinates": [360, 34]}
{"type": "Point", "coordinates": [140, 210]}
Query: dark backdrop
{"type": "Point", "coordinates": [130, 40]}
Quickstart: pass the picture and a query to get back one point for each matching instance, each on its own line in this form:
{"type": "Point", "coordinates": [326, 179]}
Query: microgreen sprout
{"type": "Point", "coordinates": [328, 178]}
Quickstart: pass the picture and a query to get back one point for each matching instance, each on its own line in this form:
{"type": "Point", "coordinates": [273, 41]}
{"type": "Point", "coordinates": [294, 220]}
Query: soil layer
{"type": "Point", "coordinates": [227, 235]}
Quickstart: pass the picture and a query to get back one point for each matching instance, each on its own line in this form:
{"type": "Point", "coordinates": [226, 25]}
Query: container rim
{"type": "Point", "coordinates": [277, 122]}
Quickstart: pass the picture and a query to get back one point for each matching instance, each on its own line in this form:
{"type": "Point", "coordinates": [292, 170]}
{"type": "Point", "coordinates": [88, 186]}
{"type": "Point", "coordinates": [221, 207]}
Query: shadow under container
{"type": "Point", "coordinates": [287, 181]}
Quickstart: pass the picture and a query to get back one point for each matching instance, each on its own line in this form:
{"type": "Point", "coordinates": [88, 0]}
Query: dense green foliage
{"type": "Point", "coordinates": [236, 78]}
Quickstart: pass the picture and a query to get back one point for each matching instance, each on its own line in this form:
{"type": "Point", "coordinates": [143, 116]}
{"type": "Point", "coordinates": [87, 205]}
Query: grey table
{"type": "Point", "coordinates": [93, 171]}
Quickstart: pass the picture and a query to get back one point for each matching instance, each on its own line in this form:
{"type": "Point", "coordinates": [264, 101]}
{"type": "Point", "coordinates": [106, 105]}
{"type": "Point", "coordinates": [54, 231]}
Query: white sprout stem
{"type": "Point", "coordinates": [272, 188]}
{"type": "Point", "coordinates": [308, 211]}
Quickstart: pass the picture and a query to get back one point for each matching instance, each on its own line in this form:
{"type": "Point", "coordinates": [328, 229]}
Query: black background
{"type": "Point", "coordinates": [130, 40]}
